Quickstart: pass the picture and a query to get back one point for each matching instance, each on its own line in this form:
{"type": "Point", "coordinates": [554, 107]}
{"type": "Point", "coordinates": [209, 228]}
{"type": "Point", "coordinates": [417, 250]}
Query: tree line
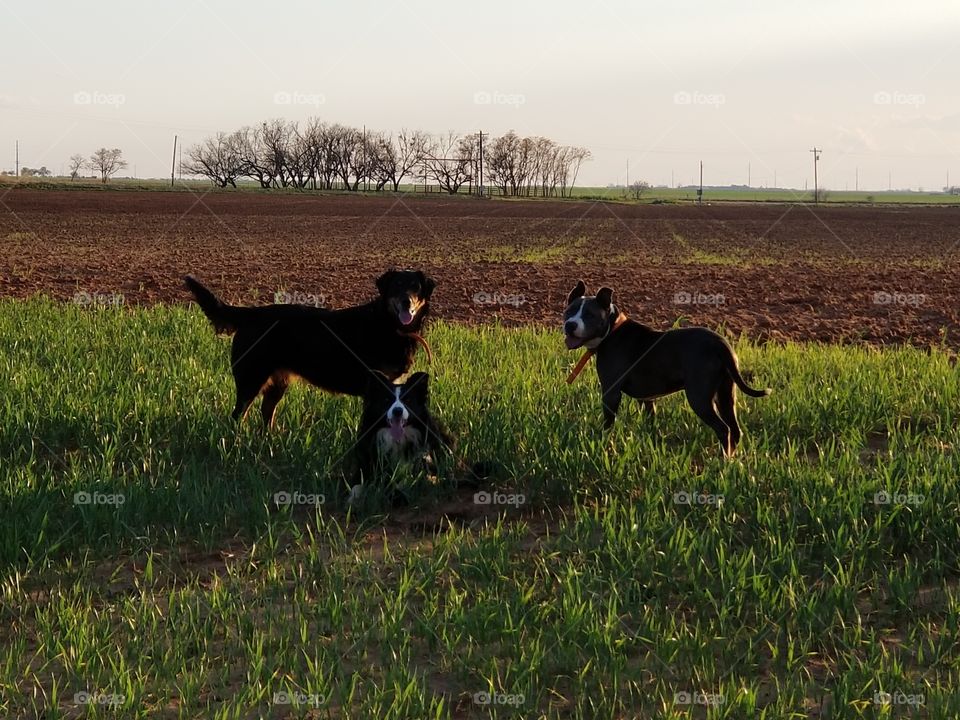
{"type": "Point", "coordinates": [321, 155]}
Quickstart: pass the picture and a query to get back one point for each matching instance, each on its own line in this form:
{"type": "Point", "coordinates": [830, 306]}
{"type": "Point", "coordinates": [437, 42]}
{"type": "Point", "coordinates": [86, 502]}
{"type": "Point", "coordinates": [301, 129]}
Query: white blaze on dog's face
{"type": "Point", "coordinates": [587, 318]}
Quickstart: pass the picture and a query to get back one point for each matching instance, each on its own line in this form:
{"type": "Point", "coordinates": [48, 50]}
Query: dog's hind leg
{"type": "Point", "coordinates": [246, 393]}
{"type": "Point", "coordinates": [702, 403]}
{"type": "Point", "coordinates": [726, 406]}
{"type": "Point", "coordinates": [272, 394]}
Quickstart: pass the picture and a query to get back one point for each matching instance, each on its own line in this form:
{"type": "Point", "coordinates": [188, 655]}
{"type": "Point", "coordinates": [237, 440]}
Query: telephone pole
{"type": "Point", "coordinates": [480, 184]}
{"type": "Point", "coordinates": [18, 158]}
{"type": "Point", "coordinates": [700, 191]}
{"type": "Point", "coordinates": [816, 186]}
{"type": "Point", "coordinates": [173, 162]}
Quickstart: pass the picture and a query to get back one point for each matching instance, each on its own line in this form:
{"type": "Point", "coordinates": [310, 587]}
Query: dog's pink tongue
{"type": "Point", "coordinates": [573, 342]}
{"type": "Point", "coordinates": [396, 430]}
{"type": "Point", "coordinates": [406, 317]}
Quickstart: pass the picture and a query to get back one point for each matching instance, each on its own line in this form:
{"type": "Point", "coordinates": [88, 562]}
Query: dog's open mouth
{"type": "Point", "coordinates": [397, 429]}
{"type": "Point", "coordinates": [405, 316]}
{"type": "Point", "coordinates": [573, 342]}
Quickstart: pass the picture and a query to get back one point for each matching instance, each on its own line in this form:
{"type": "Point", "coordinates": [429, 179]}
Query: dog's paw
{"type": "Point", "coordinates": [356, 492]}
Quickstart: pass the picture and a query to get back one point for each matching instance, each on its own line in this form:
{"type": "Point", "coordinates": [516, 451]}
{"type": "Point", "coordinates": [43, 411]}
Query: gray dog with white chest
{"type": "Point", "coordinates": [645, 364]}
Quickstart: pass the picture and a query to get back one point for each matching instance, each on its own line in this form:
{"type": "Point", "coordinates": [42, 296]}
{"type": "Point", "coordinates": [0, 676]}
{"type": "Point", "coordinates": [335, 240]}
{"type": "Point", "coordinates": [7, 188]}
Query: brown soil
{"type": "Point", "coordinates": [853, 274]}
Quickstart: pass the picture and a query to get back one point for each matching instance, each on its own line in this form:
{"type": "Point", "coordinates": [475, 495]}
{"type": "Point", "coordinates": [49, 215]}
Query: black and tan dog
{"type": "Point", "coordinates": [645, 364]}
{"type": "Point", "coordinates": [333, 349]}
{"type": "Point", "coordinates": [397, 426]}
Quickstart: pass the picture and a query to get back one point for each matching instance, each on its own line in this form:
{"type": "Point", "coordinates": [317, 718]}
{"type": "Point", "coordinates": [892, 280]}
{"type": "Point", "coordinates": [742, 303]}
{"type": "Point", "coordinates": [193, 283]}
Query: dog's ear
{"type": "Point", "coordinates": [605, 297]}
{"type": "Point", "coordinates": [418, 385]}
{"type": "Point", "coordinates": [427, 285]}
{"type": "Point", "coordinates": [377, 382]}
{"type": "Point", "coordinates": [383, 282]}
{"type": "Point", "coordinates": [578, 292]}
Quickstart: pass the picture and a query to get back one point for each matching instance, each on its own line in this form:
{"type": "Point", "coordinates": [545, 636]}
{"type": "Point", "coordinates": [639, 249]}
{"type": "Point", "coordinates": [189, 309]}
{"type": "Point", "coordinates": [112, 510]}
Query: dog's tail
{"type": "Point", "coordinates": [741, 383]}
{"type": "Point", "coordinates": [222, 316]}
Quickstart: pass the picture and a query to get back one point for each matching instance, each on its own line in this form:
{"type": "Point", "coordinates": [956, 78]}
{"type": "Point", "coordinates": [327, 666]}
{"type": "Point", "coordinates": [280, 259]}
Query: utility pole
{"type": "Point", "coordinates": [18, 158]}
{"type": "Point", "coordinates": [816, 185]}
{"type": "Point", "coordinates": [856, 185]}
{"type": "Point", "coordinates": [774, 179]}
{"type": "Point", "coordinates": [173, 163]}
{"type": "Point", "coordinates": [700, 191]}
{"type": "Point", "coordinates": [480, 184]}
{"type": "Point", "coordinates": [749, 182]}
{"type": "Point", "coordinates": [627, 186]}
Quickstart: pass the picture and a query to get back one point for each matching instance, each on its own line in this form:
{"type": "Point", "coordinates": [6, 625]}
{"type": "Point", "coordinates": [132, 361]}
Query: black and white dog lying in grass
{"type": "Point", "coordinates": [396, 426]}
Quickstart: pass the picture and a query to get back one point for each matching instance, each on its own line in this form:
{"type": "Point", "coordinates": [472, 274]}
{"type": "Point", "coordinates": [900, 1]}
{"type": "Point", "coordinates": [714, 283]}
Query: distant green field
{"type": "Point", "coordinates": [579, 193]}
{"type": "Point", "coordinates": [145, 562]}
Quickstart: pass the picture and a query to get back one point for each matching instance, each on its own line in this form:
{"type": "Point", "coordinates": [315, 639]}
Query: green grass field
{"type": "Point", "coordinates": [145, 562]}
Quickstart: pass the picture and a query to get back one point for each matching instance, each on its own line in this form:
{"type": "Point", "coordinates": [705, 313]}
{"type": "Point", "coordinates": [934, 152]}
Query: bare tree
{"type": "Point", "coordinates": [276, 136]}
{"type": "Point", "coordinates": [396, 158]}
{"type": "Point", "coordinates": [220, 159]}
{"type": "Point", "coordinates": [278, 153]}
{"type": "Point", "coordinates": [352, 155]}
{"type": "Point", "coordinates": [576, 157]}
{"type": "Point", "coordinates": [451, 161]}
{"type": "Point", "coordinates": [76, 164]}
{"type": "Point", "coordinates": [107, 162]}
{"type": "Point", "coordinates": [253, 155]}
{"type": "Point", "coordinates": [638, 188]}
{"type": "Point", "coordinates": [499, 160]}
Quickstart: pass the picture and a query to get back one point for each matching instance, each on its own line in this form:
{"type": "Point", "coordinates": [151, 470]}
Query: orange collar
{"type": "Point", "coordinates": [423, 344]}
{"type": "Point", "coordinates": [578, 368]}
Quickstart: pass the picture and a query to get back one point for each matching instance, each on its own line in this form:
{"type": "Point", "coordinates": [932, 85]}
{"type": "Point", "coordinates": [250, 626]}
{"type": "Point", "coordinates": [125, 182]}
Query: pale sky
{"type": "Point", "coordinates": [875, 83]}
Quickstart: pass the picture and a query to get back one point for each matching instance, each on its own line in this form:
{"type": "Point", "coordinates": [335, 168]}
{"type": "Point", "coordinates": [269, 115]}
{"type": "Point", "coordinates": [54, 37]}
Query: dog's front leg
{"type": "Point", "coordinates": [611, 404]}
{"type": "Point", "coordinates": [365, 466]}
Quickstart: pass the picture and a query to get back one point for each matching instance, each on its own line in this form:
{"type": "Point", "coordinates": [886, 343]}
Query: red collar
{"type": "Point", "coordinates": [578, 368]}
{"type": "Point", "coordinates": [423, 343]}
